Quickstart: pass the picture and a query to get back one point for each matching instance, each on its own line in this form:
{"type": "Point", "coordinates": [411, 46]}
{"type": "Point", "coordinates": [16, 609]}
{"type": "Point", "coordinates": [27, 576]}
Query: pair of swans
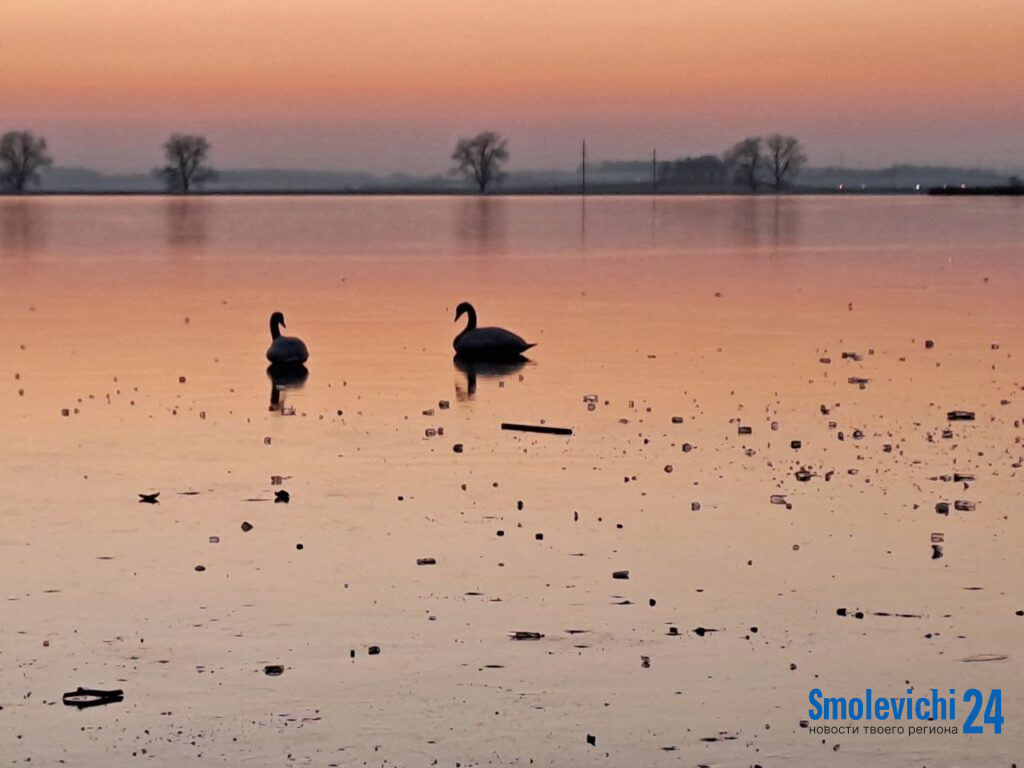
{"type": "Point", "coordinates": [485, 345]}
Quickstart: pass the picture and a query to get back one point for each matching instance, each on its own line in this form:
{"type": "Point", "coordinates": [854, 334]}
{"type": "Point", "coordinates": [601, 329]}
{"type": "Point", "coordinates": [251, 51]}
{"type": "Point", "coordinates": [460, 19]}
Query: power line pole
{"type": "Point", "coordinates": [584, 166]}
{"type": "Point", "coordinates": [654, 172]}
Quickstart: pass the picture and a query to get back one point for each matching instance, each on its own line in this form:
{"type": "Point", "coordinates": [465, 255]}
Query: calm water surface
{"type": "Point", "coordinates": [145, 320]}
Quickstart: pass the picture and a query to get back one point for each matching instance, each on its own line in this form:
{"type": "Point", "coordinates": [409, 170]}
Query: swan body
{"type": "Point", "coordinates": [493, 345]}
{"type": "Point", "coordinates": [285, 350]}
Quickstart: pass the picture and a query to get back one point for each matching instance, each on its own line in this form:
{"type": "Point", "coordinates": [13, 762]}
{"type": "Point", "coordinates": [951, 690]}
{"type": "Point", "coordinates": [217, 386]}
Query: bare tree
{"type": "Point", "coordinates": [785, 157]}
{"type": "Point", "coordinates": [480, 158]}
{"type": "Point", "coordinates": [22, 154]}
{"type": "Point", "coordinates": [186, 163]}
{"type": "Point", "coordinates": [745, 160]}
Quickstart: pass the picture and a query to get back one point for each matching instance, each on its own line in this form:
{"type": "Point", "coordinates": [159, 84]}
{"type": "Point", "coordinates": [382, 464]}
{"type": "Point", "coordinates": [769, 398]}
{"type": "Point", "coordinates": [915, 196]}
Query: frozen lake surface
{"type": "Point", "coordinates": [665, 328]}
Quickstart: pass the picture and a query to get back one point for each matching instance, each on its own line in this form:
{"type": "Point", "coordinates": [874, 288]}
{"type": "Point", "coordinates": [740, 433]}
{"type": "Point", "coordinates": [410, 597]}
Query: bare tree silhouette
{"type": "Point", "coordinates": [186, 163]}
{"type": "Point", "coordinates": [744, 160]}
{"type": "Point", "coordinates": [784, 158]}
{"type": "Point", "coordinates": [479, 158]}
{"type": "Point", "coordinates": [22, 154]}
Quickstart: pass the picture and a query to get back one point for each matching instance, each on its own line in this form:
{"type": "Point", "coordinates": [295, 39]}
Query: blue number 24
{"type": "Point", "coordinates": [993, 712]}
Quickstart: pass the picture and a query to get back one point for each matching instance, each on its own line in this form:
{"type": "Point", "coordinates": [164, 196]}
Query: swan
{"type": "Point", "coordinates": [486, 344]}
{"type": "Point", "coordinates": [284, 350]}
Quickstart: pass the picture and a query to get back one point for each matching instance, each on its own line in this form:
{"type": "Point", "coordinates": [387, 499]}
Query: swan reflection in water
{"type": "Point", "coordinates": [475, 369]}
{"type": "Point", "coordinates": [285, 378]}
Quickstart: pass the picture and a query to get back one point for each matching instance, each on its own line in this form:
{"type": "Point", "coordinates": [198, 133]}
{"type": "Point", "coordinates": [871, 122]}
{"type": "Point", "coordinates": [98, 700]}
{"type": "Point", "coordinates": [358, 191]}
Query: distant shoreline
{"type": "Point", "coordinates": [420, 192]}
{"type": "Point", "coordinates": [603, 190]}
{"type": "Point", "coordinates": [1001, 191]}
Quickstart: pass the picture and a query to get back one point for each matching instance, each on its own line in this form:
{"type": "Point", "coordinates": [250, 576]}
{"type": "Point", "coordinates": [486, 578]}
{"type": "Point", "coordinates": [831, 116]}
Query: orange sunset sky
{"type": "Point", "coordinates": [388, 85]}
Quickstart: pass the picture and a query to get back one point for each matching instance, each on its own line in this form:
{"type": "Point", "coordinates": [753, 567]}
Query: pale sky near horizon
{"type": "Point", "coordinates": [389, 85]}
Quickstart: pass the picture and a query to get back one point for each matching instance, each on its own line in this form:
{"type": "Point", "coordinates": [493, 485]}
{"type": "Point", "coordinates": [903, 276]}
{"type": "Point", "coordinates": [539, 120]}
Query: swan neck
{"type": "Point", "coordinates": [470, 319]}
{"type": "Point", "coordinates": [275, 329]}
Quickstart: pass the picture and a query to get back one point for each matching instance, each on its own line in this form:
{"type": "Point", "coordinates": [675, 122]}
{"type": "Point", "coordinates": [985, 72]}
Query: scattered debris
{"type": "Point", "coordinates": [960, 416]}
{"type": "Point", "coordinates": [84, 698]}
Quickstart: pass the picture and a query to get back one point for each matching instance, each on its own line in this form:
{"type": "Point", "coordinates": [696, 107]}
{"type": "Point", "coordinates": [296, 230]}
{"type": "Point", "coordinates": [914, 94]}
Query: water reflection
{"type": "Point", "coordinates": [745, 221]}
{"type": "Point", "coordinates": [186, 224]}
{"type": "Point", "coordinates": [22, 225]}
{"type": "Point", "coordinates": [654, 221]}
{"type": "Point", "coordinates": [785, 220]}
{"type": "Point", "coordinates": [583, 222]}
{"type": "Point", "coordinates": [482, 223]}
{"type": "Point", "coordinates": [766, 221]}
{"type": "Point", "coordinates": [285, 379]}
{"type": "Point", "coordinates": [473, 370]}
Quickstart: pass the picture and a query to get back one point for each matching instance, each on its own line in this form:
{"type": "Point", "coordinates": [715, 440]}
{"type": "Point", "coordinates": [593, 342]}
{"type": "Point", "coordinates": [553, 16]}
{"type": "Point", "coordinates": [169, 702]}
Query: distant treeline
{"type": "Point", "coordinates": [776, 163]}
{"type": "Point", "coordinates": [606, 177]}
{"type": "Point", "coordinates": [706, 172]}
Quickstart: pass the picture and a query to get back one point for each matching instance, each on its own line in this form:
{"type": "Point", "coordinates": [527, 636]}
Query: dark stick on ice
{"type": "Point", "coordinates": [537, 428]}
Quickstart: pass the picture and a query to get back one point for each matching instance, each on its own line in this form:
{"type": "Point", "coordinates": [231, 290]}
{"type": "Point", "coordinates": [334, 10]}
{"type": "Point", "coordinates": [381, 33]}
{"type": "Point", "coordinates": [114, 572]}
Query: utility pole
{"type": "Point", "coordinates": [654, 172]}
{"type": "Point", "coordinates": [584, 166]}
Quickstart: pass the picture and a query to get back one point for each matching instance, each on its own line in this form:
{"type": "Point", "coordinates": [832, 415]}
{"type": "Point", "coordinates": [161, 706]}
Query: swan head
{"type": "Point", "coordinates": [277, 318]}
{"type": "Point", "coordinates": [464, 308]}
